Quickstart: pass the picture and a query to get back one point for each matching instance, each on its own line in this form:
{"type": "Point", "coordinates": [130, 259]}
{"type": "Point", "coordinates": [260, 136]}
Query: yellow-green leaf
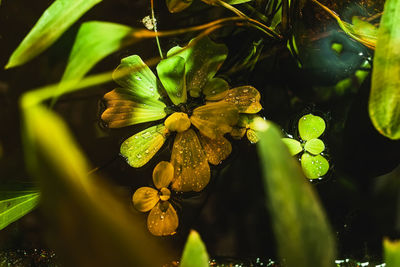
{"type": "Point", "coordinates": [391, 251]}
{"type": "Point", "coordinates": [135, 75]}
{"type": "Point", "coordinates": [191, 169]}
{"type": "Point", "coordinates": [294, 146]}
{"type": "Point", "coordinates": [141, 147]}
{"type": "Point", "coordinates": [14, 205]}
{"type": "Point", "coordinates": [384, 101]}
{"type": "Point", "coordinates": [145, 198]}
{"type": "Point", "coordinates": [215, 119]}
{"type": "Point", "coordinates": [51, 25]}
{"type": "Point", "coordinates": [301, 229]}
{"type": "Point", "coordinates": [195, 252]}
{"type": "Point", "coordinates": [163, 219]}
{"type": "Point", "coordinates": [82, 213]}
{"type": "Point", "coordinates": [125, 108]}
{"type": "Point", "coordinates": [314, 166]}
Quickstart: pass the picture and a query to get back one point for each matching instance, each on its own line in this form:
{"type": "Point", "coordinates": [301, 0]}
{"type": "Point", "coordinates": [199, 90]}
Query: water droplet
{"type": "Point", "coordinates": [138, 78]}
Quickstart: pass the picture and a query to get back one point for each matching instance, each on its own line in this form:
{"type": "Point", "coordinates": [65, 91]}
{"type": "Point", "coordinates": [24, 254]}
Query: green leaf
{"type": "Point", "coordinates": [195, 252]}
{"type": "Point", "coordinates": [311, 127]}
{"type": "Point", "coordinates": [294, 146]}
{"type": "Point", "coordinates": [314, 166]}
{"type": "Point", "coordinates": [171, 72]}
{"type": "Point", "coordinates": [384, 101]}
{"type": "Point", "coordinates": [314, 146]}
{"type": "Point", "coordinates": [51, 25]}
{"type": "Point", "coordinates": [175, 6]}
{"type": "Point", "coordinates": [203, 59]}
{"type": "Point", "coordinates": [391, 251]}
{"type": "Point", "coordinates": [214, 88]}
{"type": "Point", "coordinates": [83, 215]}
{"type": "Point", "coordinates": [136, 76]}
{"type": "Point", "coordinates": [95, 41]}
{"type": "Point", "coordinates": [14, 205]}
{"type": "Point", "coordinates": [141, 147]}
{"type": "Point", "coordinates": [301, 229]}
{"type": "Point", "coordinates": [365, 30]}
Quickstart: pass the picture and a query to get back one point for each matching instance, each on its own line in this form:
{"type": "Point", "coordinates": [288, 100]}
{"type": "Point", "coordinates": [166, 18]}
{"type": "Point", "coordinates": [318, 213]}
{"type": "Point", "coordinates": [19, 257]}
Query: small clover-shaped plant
{"type": "Point", "coordinates": [163, 219]}
{"type": "Point", "coordinates": [310, 128]}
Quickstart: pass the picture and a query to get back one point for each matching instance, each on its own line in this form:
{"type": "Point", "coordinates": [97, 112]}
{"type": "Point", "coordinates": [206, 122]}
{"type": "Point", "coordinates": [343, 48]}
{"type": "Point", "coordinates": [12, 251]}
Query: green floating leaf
{"type": "Point", "coordinates": [171, 72]}
{"type": "Point", "coordinates": [294, 146]}
{"type": "Point", "coordinates": [175, 6]}
{"type": "Point", "coordinates": [51, 25]}
{"type": "Point", "coordinates": [314, 166]}
{"type": "Point", "coordinates": [314, 146]}
{"type": "Point", "coordinates": [82, 213]}
{"type": "Point", "coordinates": [203, 59]}
{"type": "Point", "coordinates": [303, 235]}
{"type": "Point", "coordinates": [141, 147]}
{"type": "Point", "coordinates": [311, 127]}
{"type": "Point", "coordinates": [365, 30]}
{"type": "Point", "coordinates": [195, 252]}
{"type": "Point", "coordinates": [384, 101]}
{"type": "Point", "coordinates": [391, 251]}
{"type": "Point", "coordinates": [14, 205]}
{"type": "Point", "coordinates": [95, 41]}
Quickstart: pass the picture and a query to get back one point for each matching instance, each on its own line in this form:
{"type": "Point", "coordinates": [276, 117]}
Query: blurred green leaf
{"type": "Point", "coordinates": [88, 221]}
{"type": "Point", "coordinates": [95, 41]}
{"type": "Point", "coordinates": [195, 252]}
{"type": "Point", "coordinates": [51, 25]}
{"type": "Point", "coordinates": [384, 101]}
{"type": "Point", "coordinates": [14, 205]}
{"type": "Point", "coordinates": [391, 251]}
{"type": "Point", "coordinates": [302, 232]}
{"type": "Point", "coordinates": [311, 127]}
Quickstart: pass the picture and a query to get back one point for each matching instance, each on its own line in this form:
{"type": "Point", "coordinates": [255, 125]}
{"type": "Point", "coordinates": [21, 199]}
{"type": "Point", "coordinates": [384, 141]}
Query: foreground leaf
{"type": "Point", "coordinates": [83, 216]}
{"type": "Point", "coordinates": [303, 235]}
{"type": "Point", "coordinates": [391, 253]}
{"type": "Point", "coordinates": [384, 101]}
{"type": "Point", "coordinates": [95, 41]}
{"type": "Point", "coordinates": [14, 205]}
{"type": "Point", "coordinates": [195, 252]}
{"type": "Point", "coordinates": [51, 25]}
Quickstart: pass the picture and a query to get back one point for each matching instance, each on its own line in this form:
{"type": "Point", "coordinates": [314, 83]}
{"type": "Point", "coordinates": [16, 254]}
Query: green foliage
{"type": "Point", "coordinates": [384, 101]}
{"type": "Point", "coordinates": [15, 204]}
{"type": "Point", "coordinates": [51, 25]}
{"type": "Point", "coordinates": [77, 205]}
{"type": "Point", "coordinates": [195, 252]}
{"type": "Point", "coordinates": [314, 166]}
{"type": "Point", "coordinates": [311, 127]}
{"type": "Point", "coordinates": [303, 235]}
{"type": "Point", "coordinates": [171, 72]}
{"type": "Point", "coordinates": [95, 41]}
{"type": "Point", "coordinates": [391, 251]}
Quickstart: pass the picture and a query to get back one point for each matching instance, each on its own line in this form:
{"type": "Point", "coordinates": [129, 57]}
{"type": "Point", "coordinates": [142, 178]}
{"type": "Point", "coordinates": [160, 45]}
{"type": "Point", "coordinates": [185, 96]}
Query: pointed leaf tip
{"type": "Point", "coordinates": [195, 252]}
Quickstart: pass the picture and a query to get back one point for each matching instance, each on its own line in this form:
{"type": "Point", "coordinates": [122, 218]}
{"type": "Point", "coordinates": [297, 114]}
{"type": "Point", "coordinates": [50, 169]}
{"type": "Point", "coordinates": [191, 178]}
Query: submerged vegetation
{"type": "Point", "coordinates": [289, 75]}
